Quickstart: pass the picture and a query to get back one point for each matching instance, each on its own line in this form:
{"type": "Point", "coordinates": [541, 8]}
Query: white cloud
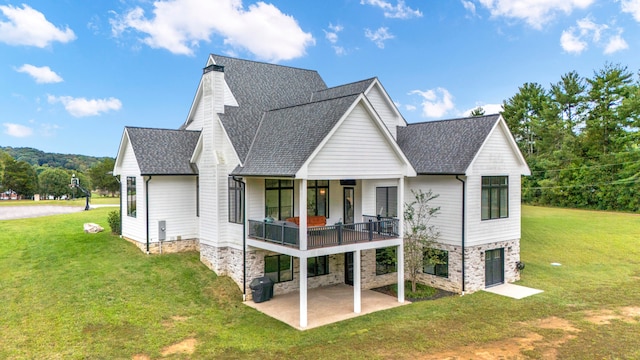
{"type": "Point", "coordinates": [576, 39]}
{"type": "Point", "coordinates": [572, 43]}
{"type": "Point", "coordinates": [489, 109]}
{"type": "Point", "coordinates": [17, 130]}
{"type": "Point", "coordinates": [379, 36]}
{"type": "Point", "coordinates": [399, 11]}
{"type": "Point", "coordinates": [469, 6]}
{"type": "Point", "coordinates": [536, 13]}
{"type": "Point", "coordinates": [27, 26]}
{"type": "Point", "coordinates": [42, 75]}
{"type": "Point", "coordinates": [48, 130]}
{"type": "Point", "coordinates": [435, 102]}
{"type": "Point", "coordinates": [80, 107]}
{"type": "Point", "coordinates": [410, 107]}
{"type": "Point", "coordinates": [632, 7]}
{"type": "Point", "coordinates": [180, 25]}
{"type": "Point", "coordinates": [332, 36]}
{"type": "Point", "coordinates": [616, 43]}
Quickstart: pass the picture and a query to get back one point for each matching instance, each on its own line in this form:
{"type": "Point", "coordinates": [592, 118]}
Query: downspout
{"type": "Point", "coordinates": [464, 200]}
{"type": "Point", "coordinates": [244, 238]}
{"type": "Point", "coordinates": [146, 193]}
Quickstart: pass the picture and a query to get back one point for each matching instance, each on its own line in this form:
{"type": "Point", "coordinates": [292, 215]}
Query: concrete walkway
{"type": "Point", "coordinates": [22, 212]}
{"type": "Point", "coordinates": [325, 305]}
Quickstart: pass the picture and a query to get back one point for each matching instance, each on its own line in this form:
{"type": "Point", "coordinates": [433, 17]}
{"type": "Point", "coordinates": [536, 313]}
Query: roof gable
{"type": "Point", "coordinates": [445, 146]}
{"type": "Point", "coordinates": [288, 136]}
{"type": "Point", "coordinates": [258, 87]}
{"type": "Point", "coordinates": [163, 151]}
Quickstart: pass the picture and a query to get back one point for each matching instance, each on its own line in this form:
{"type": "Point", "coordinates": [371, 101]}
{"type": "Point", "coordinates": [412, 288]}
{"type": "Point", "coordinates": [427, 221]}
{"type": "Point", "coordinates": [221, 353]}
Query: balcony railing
{"type": "Point", "coordinates": [283, 233]}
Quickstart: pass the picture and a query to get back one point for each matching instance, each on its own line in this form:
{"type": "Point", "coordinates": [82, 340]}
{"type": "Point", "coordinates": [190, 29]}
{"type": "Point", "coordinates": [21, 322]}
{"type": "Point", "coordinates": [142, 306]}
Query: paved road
{"type": "Point", "coordinates": [21, 212]}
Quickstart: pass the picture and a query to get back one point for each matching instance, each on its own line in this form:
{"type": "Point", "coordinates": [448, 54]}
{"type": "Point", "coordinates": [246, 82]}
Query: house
{"type": "Point", "coordinates": [275, 174]}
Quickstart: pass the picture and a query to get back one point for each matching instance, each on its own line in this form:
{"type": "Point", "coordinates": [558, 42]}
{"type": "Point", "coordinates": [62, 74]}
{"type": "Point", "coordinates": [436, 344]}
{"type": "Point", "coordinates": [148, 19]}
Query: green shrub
{"type": "Point", "coordinates": [114, 221]}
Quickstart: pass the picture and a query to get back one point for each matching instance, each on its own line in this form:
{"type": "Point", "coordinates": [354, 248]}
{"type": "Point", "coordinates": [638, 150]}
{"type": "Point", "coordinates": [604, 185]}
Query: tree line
{"type": "Point", "coordinates": [26, 180]}
{"type": "Point", "coordinates": [580, 139]}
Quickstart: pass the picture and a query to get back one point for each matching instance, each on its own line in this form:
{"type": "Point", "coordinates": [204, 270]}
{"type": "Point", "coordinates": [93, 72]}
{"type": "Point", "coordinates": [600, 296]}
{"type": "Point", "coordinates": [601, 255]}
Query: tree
{"type": "Point", "coordinates": [102, 177]}
{"type": "Point", "coordinates": [20, 177]}
{"type": "Point", "coordinates": [525, 114]}
{"type": "Point", "coordinates": [419, 234]}
{"type": "Point", "coordinates": [54, 182]}
{"type": "Point", "coordinates": [479, 111]}
{"type": "Point", "coordinates": [608, 121]}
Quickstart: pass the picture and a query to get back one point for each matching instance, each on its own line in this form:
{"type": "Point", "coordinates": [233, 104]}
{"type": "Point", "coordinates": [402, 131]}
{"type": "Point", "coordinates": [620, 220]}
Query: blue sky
{"type": "Point", "coordinates": [73, 73]}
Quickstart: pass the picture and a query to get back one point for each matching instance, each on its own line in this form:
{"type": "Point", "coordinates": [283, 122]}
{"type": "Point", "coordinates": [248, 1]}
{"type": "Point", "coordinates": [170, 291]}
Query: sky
{"type": "Point", "coordinates": [74, 73]}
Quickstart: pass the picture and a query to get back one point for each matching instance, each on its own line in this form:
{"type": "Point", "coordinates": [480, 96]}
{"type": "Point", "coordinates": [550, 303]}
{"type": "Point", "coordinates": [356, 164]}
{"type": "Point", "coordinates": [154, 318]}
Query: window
{"type": "Point", "coordinates": [386, 260]}
{"type": "Point", "coordinates": [278, 198]}
{"type": "Point", "coordinates": [318, 197]}
{"type": "Point", "coordinates": [495, 197]}
{"type": "Point", "coordinates": [131, 196]}
{"type": "Point", "coordinates": [387, 201]}
{"type": "Point", "coordinates": [236, 201]}
{"type": "Point", "coordinates": [317, 266]}
{"type": "Point", "coordinates": [439, 265]}
{"type": "Point", "coordinates": [278, 268]}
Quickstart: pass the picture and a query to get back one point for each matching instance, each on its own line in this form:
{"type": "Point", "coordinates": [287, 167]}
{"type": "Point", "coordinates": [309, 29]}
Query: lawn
{"type": "Point", "coordinates": [70, 295]}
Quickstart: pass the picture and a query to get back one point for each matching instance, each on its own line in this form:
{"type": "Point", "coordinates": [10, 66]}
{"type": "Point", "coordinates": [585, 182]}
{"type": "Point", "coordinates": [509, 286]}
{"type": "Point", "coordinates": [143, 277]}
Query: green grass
{"type": "Point", "coordinates": [65, 294]}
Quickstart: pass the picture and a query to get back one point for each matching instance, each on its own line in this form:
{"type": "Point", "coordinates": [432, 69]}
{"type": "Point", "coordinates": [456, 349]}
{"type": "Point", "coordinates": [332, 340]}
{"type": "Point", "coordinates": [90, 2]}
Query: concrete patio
{"type": "Point", "coordinates": [325, 305]}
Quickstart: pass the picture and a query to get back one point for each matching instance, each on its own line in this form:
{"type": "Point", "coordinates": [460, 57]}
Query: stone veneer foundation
{"type": "Point", "coordinates": [474, 266]}
{"type": "Point", "coordinates": [227, 261]}
{"type": "Point", "coordinates": [168, 247]}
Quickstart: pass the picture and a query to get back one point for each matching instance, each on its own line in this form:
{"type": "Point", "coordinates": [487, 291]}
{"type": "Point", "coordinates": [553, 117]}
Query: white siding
{"type": "Point", "coordinates": [172, 199]}
{"type": "Point", "coordinates": [449, 219]}
{"type": "Point", "coordinates": [217, 161]}
{"type": "Point", "coordinates": [197, 120]}
{"type": "Point", "coordinates": [384, 110]}
{"type": "Point", "coordinates": [132, 227]}
{"type": "Point", "coordinates": [358, 149]}
{"type": "Point", "coordinates": [496, 158]}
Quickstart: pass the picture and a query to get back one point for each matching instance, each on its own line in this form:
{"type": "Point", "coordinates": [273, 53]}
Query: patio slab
{"type": "Point", "coordinates": [325, 305]}
{"type": "Point", "coordinates": [513, 291]}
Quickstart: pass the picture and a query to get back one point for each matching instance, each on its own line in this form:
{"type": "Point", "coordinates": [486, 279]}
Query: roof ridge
{"type": "Point", "coordinates": [159, 129]}
{"type": "Point", "coordinates": [312, 102]}
{"type": "Point", "coordinates": [263, 62]}
{"type": "Point", "coordinates": [452, 119]}
{"type": "Point", "coordinates": [347, 84]}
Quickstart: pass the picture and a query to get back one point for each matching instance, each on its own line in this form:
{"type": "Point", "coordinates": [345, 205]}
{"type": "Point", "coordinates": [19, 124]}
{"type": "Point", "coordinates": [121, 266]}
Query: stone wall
{"type": "Point", "coordinates": [453, 282]}
{"type": "Point", "coordinates": [474, 259]}
{"type": "Point", "coordinates": [167, 247]}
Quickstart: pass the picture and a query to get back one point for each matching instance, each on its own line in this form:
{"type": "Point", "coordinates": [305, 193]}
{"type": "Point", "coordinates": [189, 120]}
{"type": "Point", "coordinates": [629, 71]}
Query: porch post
{"type": "Point", "coordinates": [357, 286]}
{"type": "Point", "coordinates": [400, 261]}
{"type": "Point", "coordinates": [303, 292]}
{"type": "Point", "coordinates": [400, 249]}
{"type": "Point", "coordinates": [302, 212]}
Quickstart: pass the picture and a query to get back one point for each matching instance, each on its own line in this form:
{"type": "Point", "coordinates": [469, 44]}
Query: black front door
{"type": "Point", "coordinates": [494, 267]}
{"type": "Point", "coordinates": [348, 268]}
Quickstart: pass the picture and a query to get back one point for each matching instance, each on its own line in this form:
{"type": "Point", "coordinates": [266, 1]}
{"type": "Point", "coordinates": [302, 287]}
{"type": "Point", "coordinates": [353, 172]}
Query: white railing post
{"type": "Point", "coordinates": [303, 215]}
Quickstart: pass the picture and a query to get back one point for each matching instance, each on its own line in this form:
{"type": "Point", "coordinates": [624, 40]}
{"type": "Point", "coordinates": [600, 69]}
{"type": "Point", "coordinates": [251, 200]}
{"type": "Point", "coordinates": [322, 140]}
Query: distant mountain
{"type": "Point", "coordinates": [39, 157]}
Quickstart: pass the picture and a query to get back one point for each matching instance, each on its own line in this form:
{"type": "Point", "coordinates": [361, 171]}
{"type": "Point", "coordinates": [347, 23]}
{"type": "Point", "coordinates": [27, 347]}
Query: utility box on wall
{"type": "Point", "coordinates": [162, 230]}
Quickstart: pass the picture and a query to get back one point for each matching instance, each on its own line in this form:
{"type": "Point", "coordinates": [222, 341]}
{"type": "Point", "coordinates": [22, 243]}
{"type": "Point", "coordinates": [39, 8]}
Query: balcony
{"type": "Point", "coordinates": [280, 232]}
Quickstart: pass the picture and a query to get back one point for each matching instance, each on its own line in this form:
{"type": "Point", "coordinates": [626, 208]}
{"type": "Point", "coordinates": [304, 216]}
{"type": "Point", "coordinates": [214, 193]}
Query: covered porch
{"type": "Point", "coordinates": [327, 305]}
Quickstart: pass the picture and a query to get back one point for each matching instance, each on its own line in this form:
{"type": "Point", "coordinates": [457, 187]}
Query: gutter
{"type": "Point", "coordinates": [244, 238]}
{"type": "Point", "coordinates": [146, 193]}
{"type": "Point", "coordinates": [464, 200]}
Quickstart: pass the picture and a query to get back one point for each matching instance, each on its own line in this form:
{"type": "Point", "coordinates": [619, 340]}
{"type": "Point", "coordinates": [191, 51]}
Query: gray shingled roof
{"type": "Point", "coordinates": [287, 137]}
{"type": "Point", "coordinates": [342, 90]}
{"type": "Point", "coordinates": [162, 151]}
{"type": "Point", "coordinates": [446, 146]}
{"type": "Point", "coordinates": [260, 87]}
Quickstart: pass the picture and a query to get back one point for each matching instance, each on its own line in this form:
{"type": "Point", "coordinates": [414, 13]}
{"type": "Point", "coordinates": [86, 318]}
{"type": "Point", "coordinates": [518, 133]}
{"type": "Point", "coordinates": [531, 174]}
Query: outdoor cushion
{"type": "Point", "coordinates": [318, 220]}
